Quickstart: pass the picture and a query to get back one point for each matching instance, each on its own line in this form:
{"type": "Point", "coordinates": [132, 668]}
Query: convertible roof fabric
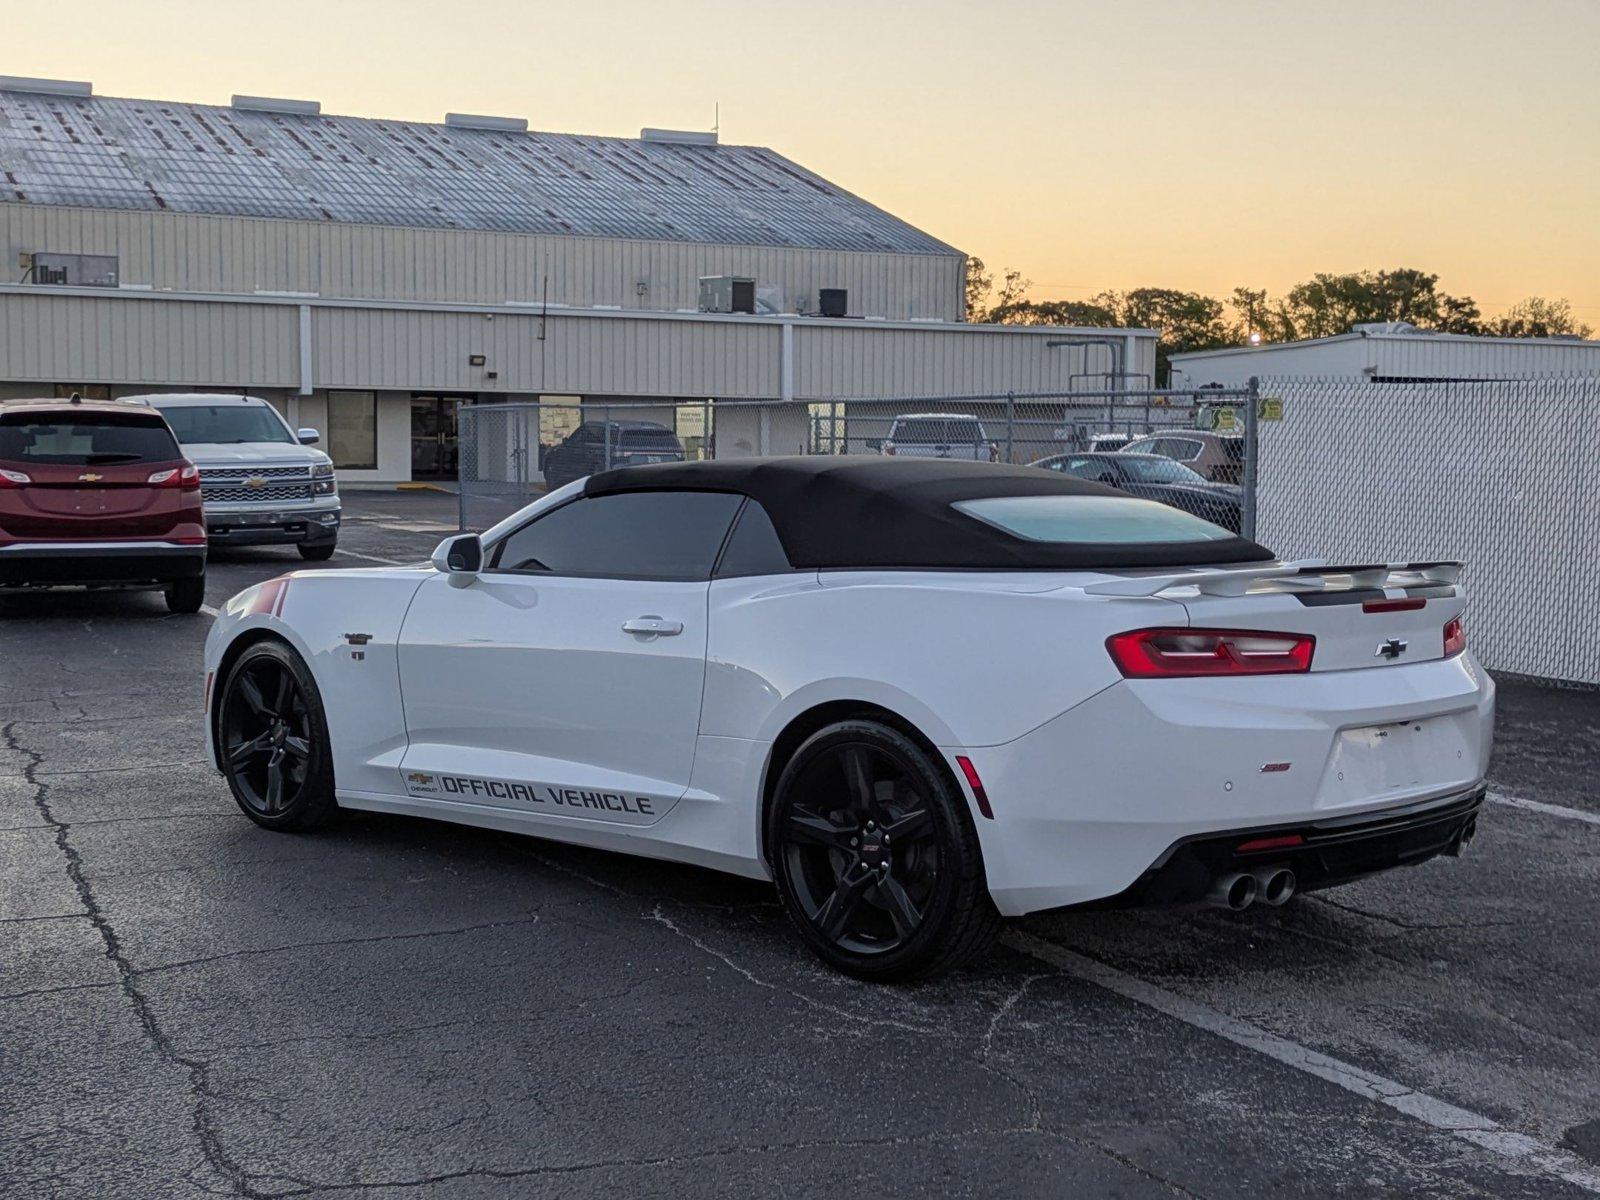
{"type": "Point", "coordinates": [867, 512]}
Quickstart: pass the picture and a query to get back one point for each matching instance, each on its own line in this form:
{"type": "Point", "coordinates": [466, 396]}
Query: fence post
{"type": "Point", "coordinates": [1011, 420]}
{"type": "Point", "coordinates": [1252, 457]}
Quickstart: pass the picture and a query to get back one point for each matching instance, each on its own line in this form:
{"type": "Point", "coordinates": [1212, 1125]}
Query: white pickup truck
{"type": "Point", "coordinates": [940, 435]}
{"type": "Point", "coordinates": [261, 483]}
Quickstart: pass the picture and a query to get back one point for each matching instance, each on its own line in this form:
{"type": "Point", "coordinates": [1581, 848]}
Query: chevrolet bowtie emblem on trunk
{"type": "Point", "coordinates": [1393, 648]}
{"type": "Point", "coordinates": [90, 477]}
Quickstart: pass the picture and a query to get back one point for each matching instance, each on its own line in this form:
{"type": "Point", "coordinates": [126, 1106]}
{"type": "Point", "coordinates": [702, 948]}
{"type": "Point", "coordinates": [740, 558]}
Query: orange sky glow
{"type": "Point", "coordinates": [1197, 145]}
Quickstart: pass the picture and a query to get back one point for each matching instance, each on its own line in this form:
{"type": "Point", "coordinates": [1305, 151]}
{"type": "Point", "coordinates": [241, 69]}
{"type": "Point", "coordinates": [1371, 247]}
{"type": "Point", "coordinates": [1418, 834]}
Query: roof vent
{"type": "Point", "coordinates": [272, 104]}
{"type": "Point", "coordinates": [474, 121]}
{"type": "Point", "coordinates": [683, 137]}
{"type": "Point", "coordinates": [52, 87]}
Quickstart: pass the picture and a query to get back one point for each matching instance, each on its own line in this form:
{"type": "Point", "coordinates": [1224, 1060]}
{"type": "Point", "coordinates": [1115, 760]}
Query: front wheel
{"type": "Point", "coordinates": [317, 552]}
{"type": "Point", "coordinates": [876, 858]}
{"type": "Point", "coordinates": [273, 740]}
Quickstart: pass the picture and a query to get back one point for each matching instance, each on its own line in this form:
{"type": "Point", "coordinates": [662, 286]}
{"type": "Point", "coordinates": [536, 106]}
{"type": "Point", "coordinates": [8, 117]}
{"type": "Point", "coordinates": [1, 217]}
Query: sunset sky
{"type": "Point", "coordinates": [1194, 145]}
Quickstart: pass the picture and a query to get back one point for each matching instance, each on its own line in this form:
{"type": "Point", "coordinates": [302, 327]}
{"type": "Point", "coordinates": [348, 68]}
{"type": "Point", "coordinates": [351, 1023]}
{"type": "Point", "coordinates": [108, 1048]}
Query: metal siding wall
{"type": "Point", "coordinates": [73, 339]}
{"type": "Point", "coordinates": [1430, 357]}
{"type": "Point", "coordinates": [244, 255]}
{"type": "Point", "coordinates": [1329, 359]}
{"type": "Point", "coordinates": [862, 361]}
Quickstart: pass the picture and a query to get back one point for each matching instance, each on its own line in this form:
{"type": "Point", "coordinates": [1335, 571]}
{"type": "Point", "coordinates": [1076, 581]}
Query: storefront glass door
{"type": "Point", "coordinates": [434, 453]}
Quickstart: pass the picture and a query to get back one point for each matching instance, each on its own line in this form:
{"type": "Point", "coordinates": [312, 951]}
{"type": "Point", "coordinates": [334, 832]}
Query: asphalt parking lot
{"type": "Point", "coordinates": [191, 1006]}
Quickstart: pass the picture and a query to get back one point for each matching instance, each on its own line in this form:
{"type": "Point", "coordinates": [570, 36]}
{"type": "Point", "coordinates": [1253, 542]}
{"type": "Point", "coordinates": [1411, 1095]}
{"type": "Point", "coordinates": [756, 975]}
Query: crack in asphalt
{"type": "Point", "coordinates": [530, 919]}
{"type": "Point", "coordinates": [1413, 926]}
{"type": "Point", "coordinates": [198, 1071]}
{"type": "Point", "coordinates": [661, 918]}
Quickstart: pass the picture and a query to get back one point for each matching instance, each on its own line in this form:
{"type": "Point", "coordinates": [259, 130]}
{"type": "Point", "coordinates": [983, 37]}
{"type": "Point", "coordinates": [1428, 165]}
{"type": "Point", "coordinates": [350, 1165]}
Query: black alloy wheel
{"type": "Point", "coordinates": [875, 855]}
{"type": "Point", "coordinates": [273, 740]}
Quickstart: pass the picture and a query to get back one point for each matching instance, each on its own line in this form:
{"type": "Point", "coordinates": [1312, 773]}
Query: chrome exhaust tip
{"type": "Point", "coordinates": [1235, 891]}
{"type": "Point", "coordinates": [1276, 885]}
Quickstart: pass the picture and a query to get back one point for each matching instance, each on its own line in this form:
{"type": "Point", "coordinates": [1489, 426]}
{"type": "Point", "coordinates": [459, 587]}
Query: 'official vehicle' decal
{"type": "Point", "coordinates": [627, 808]}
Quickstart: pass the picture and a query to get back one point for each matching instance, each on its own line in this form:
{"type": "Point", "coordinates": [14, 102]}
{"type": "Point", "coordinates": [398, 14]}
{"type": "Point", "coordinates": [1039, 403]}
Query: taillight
{"type": "Point", "coordinates": [13, 479]}
{"type": "Point", "coordinates": [1169, 653]}
{"type": "Point", "coordinates": [1455, 637]}
{"type": "Point", "coordinates": [185, 478]}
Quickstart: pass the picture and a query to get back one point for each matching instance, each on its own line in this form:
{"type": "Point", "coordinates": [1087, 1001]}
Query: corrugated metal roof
{"type": "Point", "coordinates": [152, 155]}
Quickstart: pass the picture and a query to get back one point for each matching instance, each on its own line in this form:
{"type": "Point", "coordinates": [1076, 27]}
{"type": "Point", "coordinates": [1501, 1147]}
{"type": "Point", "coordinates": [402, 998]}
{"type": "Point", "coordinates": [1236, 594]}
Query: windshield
{"type": "Point", "coordinates": [226, 424]}
{"type": "Point", "coordinates": [1155, 469]}
{"type": "Point", "coordinates": [84, 439]}
{"type": "Point", "coordinates": [1092, 520]}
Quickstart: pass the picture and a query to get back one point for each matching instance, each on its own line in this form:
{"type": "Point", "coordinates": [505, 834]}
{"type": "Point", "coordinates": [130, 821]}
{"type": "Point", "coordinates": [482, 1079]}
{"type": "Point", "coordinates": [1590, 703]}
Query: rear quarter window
{"type": "Point", "coordinates": [85, 439]}
{"type": "Point", "coordinates": [1092, 520]}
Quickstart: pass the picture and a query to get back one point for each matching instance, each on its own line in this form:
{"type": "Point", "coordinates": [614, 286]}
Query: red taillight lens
{"type": "Point", "coordinates": [1455, 637]}
{"type": "Point", "coordinates": [13, 479]}
{"type": "Point", "coordinates": [186, 478]}
{"type": "Point", "coordinates": [1170, 653]}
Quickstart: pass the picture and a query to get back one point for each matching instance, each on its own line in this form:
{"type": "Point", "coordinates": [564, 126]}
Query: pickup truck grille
{"type": "Point", "coordinates": [268, 494]}
{"type": "Point", "coordinates": [272, 485]}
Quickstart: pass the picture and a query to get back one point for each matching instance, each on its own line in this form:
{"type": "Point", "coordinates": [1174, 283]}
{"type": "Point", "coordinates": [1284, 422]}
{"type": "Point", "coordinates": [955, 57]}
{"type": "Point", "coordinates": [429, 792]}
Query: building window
{"type": "Point", "coordinates": [353, 430]}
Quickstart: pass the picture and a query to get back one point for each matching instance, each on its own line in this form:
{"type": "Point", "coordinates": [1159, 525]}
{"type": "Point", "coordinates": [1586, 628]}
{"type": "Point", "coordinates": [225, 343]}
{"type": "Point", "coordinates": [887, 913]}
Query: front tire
{"type": "Point", "coordinates": [875, 856]}
{"type": "Point", "coordinates": [318, 551]}
{"type": "Point", "coordinates": [273, 743]}
{"type": "Point", "coordinates": [186, 595]}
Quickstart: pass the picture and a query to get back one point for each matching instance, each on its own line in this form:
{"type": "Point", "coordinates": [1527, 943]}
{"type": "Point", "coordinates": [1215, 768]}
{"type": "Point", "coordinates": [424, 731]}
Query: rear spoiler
{"type": "Point", "coordinates": [1304, 575]}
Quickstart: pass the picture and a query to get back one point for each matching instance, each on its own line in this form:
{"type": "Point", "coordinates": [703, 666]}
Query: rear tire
{"type": "Point", "coordinates": [272, 738]}
{"type": "Point", "coordinates": [186, 595]}
{"type": "Point", "coordinates": [876, 858]}
{"type": "Point", "coordinates": [318, 552]}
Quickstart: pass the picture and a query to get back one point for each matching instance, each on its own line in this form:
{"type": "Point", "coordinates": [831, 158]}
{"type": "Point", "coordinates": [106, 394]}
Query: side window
{"type": "Point", "coordinates": [1151, 446]}
{"type": "Point", "coordinates": [1183, 449]}
{"type": "Point", "coordinates": [637, 535]}
{"type": "Point", "coordinates": [1083, 468]}
{"type": "Point", "coordinates": [753, 547]}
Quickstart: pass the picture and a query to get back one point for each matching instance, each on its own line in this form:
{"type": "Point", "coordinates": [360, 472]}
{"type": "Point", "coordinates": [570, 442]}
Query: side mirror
{"type": "Point", "coordinates": [308, 437]}
{"type": "Point", "coordinates": [460, 557]}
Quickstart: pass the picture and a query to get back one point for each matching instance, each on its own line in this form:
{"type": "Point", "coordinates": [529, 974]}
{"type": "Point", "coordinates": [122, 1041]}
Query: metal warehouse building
{"type": "Point", "coordinates": [1392, 352]}
{"type": "Point", "coordinates": [371, 276]}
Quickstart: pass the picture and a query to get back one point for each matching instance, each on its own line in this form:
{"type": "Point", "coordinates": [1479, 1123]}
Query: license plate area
{"type": "Point", "coordinates": [1395, 758]}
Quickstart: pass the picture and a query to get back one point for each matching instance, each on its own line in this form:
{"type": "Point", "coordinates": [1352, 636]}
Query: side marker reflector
{"type": "Point", "coordinates": [976, 784]}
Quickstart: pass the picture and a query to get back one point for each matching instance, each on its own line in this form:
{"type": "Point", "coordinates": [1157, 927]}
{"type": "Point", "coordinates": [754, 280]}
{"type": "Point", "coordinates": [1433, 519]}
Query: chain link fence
{"type": "Point", "coordinates": [1187, 449]}
{"type": "Point", "coordinates": [1494, 473]}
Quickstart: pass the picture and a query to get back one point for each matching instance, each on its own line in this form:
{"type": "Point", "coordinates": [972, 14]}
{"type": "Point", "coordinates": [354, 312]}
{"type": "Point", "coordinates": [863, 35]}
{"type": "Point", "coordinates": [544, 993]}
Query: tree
{"type": "Point", "coordinates": [1537, 317]}
{"type": "Point", "coordinates": [1326, 305]}
{"type": "Point", "coordinates": [1053, 312]}
{"type": "Point", "coordinates": [979, 281]}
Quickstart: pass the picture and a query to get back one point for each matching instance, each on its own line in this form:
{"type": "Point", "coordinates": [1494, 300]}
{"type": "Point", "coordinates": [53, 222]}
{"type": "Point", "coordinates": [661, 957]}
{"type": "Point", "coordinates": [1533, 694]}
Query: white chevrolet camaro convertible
{"type": "Point", "coordinates": [918, 695]}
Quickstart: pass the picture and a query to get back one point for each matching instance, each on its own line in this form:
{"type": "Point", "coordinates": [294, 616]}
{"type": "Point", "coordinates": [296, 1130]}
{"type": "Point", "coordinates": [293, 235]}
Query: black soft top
{"type": "Point", "coordinates": [869, 512]}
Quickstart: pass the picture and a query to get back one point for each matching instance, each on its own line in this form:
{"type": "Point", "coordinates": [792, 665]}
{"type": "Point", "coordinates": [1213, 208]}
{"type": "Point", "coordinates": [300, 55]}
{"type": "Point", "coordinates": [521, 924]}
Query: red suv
{"type": "Point", "coordinates": [98, 494]}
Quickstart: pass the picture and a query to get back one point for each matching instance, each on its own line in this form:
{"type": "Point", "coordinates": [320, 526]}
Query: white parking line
{"type": "Point", "coordinates": [1525, 1155]}
{"type": "Point", "coordinates": [209, 611]}
{"type": "Point", "coordinates": [1549, 810]}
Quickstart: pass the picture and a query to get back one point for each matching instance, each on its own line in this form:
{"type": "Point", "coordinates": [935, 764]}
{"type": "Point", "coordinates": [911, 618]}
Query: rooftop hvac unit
{"type": "Point", "coordinates": [727, 294]}
{"type": "Point", "coordinates": [833, 302]}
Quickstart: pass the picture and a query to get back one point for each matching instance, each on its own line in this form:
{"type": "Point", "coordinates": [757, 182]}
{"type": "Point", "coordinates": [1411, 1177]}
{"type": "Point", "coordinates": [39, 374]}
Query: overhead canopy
{"type": "Point", "coordinates": [867, 512]}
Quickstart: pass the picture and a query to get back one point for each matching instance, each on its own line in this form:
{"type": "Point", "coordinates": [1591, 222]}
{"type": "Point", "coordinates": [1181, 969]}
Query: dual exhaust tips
{"type": "Point", "coordinates": [1238, 890]}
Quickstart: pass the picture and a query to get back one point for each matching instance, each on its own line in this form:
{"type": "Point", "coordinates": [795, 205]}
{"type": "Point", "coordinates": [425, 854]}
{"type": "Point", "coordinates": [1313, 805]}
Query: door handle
{"type": "Point", "coordinates": [653, 625]}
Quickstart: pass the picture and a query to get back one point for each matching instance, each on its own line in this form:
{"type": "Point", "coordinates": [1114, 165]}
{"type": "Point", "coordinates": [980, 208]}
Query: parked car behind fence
{"type": "Point", "coordinates": [1151, 477]}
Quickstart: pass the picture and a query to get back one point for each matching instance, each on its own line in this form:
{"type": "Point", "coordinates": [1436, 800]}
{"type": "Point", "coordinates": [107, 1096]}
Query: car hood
{"type": "Point", "coordinates": [258, 454]}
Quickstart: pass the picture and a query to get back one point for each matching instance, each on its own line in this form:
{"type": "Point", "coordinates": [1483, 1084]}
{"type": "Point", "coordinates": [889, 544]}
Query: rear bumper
{"type": "Point", "coordinates": [1086, 803]}
{"type": "Point", "coordinates": [1329, 852]}
{"type": "Point", "coordinates": [23, 563]}
{"type": "Point", "coordinates": [266, 526]}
